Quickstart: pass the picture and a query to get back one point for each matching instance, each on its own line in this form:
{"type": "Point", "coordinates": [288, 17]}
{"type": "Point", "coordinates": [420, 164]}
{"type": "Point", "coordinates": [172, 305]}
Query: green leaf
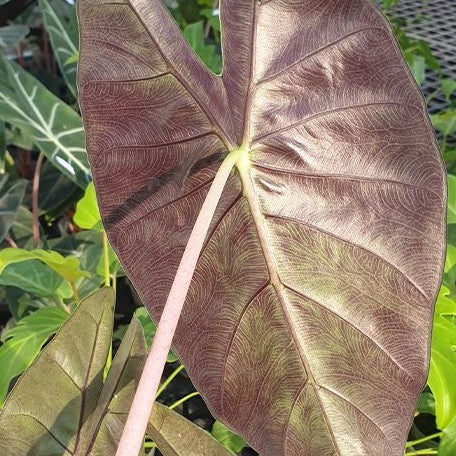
{"type": "Point", "coordinates": [10, 199]}
{"type": "Point", "coordinates": [445, 122]}
{"type": "Point", "coordinates": [177, 436]}
{"type": "Point", "coordinates": [447, 446]}
{"type": "Point", "coordinates": [21, 229]}
{"type": "Point", "coordinates": [63, 34]}
{"type": "Point", "coordinates": [23, 343]}
{"type": "Point", "coordinates": [73, 59]}
{"type": "Point", "coordinates": [67, 267]}
{"type": "Point", "coordinates": [3, 146]}
{"type": "Point", "coordinates": [207, 52]}
{"type": "Point", "coordinates": [32, 276]}
{"type": "Point", "coordinates": [228, 439]}
{"type": "Point", "coordinates": [150, 328]}
{"type": "Point", "coordinates": [11, 35]}
{"type": "Point", "coordinates": [87, 215]}
{"type": "Point", "coordinates": [417, 65]}
{"type": "Point", "coordinates": [214, 19]}
{"type": "Point", "coordinates": [443, 360]}
{"type": "Point", "coordinates": [56, 129]}
{"type": "Point", "coordinates": [426, 403]}
{"type": "Point", "coordinates": [56, 190]}
{"type": "Point", "coordinates": [451, 213]}
{"type": "Point", "coordinates": [48, 411]}
{"type": "Point", "coordinates": [448, 87]}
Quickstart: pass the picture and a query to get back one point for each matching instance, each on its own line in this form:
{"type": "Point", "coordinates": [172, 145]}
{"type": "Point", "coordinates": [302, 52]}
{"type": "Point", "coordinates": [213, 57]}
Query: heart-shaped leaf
{"type": "Point", "coordinates": [307, 325]}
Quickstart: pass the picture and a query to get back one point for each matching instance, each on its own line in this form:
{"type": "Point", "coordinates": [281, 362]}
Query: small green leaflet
{"type": "Point", "coordinates": [87, 215]}
{"type": "Point", "coordinates": [54, 127]}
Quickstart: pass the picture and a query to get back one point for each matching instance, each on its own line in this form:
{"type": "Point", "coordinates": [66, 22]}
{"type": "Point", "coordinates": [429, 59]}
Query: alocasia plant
{"type": "Point", "coordinates": [307, 323]}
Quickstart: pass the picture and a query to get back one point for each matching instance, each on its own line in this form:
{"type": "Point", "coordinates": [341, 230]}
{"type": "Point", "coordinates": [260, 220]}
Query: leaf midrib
{"type": "Point", "coordinates": [276, 282]}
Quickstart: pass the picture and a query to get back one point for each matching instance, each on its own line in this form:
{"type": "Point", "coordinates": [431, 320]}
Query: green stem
{"type": "Point", "coordinates": [423, 439]}
{"type": "Point", "coordinates": [114, 279]}
{"type": "Point", "coordinates": [75, 293]}
{"type": "Point", "coordinates": [165, 384]}
{"type": "Point", "coordinates": [132, 439]}
{"type": "Point", "coordinates": [106, 259]}
{"type": "Point", "coordinates": [108, 363]}
{"type": "Point", "coordinates": [433, 95]}
{"type": "Point", "coordinates": [184, 399]}
{"type": "Point", "coordinates": [150, 445]}
{"type": "Point", "coordinates": [35, 195]}
{"type": "Point", "coordinates": [418, 452]}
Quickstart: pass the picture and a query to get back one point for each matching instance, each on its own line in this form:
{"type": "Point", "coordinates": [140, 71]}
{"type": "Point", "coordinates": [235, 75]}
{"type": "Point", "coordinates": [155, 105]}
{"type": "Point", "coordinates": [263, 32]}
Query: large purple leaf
{"type": "Point", "coordinates": [307, 324]}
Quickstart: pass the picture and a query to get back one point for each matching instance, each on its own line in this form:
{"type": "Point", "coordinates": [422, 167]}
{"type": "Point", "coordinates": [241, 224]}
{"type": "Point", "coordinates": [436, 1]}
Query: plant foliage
{"type": "Point", "coordinates": [54, 252]}
{"type": "Point", "coordinates": [329, 236]}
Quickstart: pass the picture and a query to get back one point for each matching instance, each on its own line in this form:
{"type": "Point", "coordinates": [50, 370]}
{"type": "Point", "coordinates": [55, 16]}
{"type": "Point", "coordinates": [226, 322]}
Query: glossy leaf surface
{"type": "Point", "coordinates": [307, 325]}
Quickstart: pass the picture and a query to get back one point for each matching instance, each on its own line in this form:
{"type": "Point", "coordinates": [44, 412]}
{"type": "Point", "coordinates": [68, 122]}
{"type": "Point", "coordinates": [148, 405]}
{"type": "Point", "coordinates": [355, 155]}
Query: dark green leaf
{"type": "Point", "coordinates": [63, 33]}
{"type": "Point", "coordinates": [118, 392]}
{"type": "Point", "coordinates": [56, 190]}
{"type": "Point", "coordinates": [54, 127]}
{"type": "Point", "coordinates": [11, 35]}
{"type": "Point", "coordinates": [10, 200]}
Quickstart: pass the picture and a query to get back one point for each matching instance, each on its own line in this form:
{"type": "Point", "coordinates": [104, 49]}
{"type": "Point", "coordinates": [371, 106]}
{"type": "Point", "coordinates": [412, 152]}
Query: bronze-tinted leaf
{"type": "Point", "coordinates": [109, 418]}
{"type": "Point", "coordinates": [176, 436]}
{"type": "Point", "coordinates": [47, 412]}
{"type": "Point", "coordinates": [307, 325]}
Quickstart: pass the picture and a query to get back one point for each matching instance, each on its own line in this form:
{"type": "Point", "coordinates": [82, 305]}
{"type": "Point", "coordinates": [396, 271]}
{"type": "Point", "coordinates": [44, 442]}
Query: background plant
{"type": "Point", "coordinates": [54, 251]}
